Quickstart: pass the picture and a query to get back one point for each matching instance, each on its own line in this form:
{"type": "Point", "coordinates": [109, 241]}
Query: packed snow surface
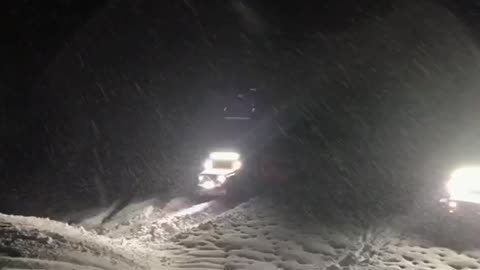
{"type": "Point", "coordinates": [253, 235]}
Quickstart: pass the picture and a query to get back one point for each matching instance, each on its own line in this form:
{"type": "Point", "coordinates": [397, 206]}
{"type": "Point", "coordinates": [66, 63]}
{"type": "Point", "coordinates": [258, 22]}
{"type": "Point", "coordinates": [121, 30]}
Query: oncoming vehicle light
{"type": "Point", "coordinates": [221, 178]}
{"type": "Point", "coordinates": [237, 165]}
{"type": "Point", "coordinates": [463, 182]}
{"type": "Point", "coordinates": [452, 204]}
{"type": "Point", "coordinates": [224, 156]}
{"type": "Point", "coordinates": [207, 184]}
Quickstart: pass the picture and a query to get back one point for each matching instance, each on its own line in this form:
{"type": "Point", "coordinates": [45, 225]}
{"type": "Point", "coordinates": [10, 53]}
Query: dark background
{"type": "Point", "coordinates": [104, 100]}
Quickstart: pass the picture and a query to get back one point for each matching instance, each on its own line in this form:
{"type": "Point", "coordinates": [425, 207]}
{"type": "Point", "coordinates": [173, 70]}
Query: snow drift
{"type": "Point", "coordinates": [254, 235]}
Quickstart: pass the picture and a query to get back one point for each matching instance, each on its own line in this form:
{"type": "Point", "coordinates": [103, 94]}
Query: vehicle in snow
{"type": "Point", "coordinates": [462, 193]}
{"type": "Point", "coordinates": [227, 174]}
{"type": "Point", "coordinates": [261, 167]}
{"type": "Point", "coordinates": [219, 169]}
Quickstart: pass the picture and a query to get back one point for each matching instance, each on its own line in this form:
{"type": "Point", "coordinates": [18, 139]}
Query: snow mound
{"type": "Point", "coordinates": [88, 218]}
{"type": "Point", "coordinates": [151, 222]}
{"type": "Point", "coordinates": [27, 263]}
{"type": "Point", "coordinates": [256, 236]}
{"type": "Point", "coordinates": [38, 243]}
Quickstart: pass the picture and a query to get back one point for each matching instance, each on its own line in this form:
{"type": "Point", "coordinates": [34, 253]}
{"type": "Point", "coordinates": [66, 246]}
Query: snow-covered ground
{"type": "Point", "coordinates": [254, 235]}
{"type": "Point", "coordinates": [37, 243]}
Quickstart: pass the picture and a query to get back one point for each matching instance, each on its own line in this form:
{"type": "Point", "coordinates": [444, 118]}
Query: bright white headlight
{"type": "Point", "coordinates": [221, 178]}
{"type": "Point", "coordinates": [207, 184]}
{"type": "Point", "coordinates": [237, 165]}
{"type": "Point", "coordinates": [463, 181]}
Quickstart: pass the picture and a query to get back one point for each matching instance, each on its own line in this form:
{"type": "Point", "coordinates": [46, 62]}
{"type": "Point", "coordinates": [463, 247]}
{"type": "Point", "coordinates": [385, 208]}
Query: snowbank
{"type": "Point", "coordinates": [253, 235]}
{"type": "Point", "coordinates": [38, 243]}
{"type": "Point", "coordinates": [256, 235]}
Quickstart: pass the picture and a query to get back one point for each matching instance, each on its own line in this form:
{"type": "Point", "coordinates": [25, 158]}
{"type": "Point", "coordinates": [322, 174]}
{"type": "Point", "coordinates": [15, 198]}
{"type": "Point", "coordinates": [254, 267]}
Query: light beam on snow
{"type": "Point", "coordinates": [192, 210]}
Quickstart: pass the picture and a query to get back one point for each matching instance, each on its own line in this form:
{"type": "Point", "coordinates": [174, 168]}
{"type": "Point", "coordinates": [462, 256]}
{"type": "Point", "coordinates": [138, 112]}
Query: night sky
{"type": "Point", "coordinates": [108, 99]}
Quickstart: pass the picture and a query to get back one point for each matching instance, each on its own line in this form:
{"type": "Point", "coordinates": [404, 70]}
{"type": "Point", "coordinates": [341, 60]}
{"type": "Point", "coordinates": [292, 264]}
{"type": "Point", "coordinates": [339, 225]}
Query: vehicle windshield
{"type": "Point", "coordinates": [240, 134]}
{"type": "Point", "coordinates": [222, 164]}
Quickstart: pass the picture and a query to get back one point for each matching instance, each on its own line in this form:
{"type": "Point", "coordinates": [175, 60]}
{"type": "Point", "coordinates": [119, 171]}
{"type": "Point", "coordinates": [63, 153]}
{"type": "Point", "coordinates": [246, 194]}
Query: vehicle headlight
{"type": "Point", "coordinates": [237, 165]}
{"type": "Point", "coordinates": [463, 181]}
{"type": "Point", "coordinates": [208, 164]}
{"type": "Point", "coordinates": [221, 178]}
{"type": "Point", "coordinates": [207, 184]}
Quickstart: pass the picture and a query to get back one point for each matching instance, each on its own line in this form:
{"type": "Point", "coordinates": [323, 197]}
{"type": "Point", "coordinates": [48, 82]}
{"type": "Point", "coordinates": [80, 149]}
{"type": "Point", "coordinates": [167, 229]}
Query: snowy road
{"type": "Point", "coordinates": [253, 235]}
{"type": "Point", "coordinates": [153, 221]}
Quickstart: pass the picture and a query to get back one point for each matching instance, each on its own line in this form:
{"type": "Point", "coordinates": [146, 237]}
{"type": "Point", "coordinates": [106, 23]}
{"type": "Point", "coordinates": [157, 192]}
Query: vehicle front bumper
{"type": "Point", "coordinates": [460, 208]}
{"type": "Point", "coordinates": [218, 191]}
